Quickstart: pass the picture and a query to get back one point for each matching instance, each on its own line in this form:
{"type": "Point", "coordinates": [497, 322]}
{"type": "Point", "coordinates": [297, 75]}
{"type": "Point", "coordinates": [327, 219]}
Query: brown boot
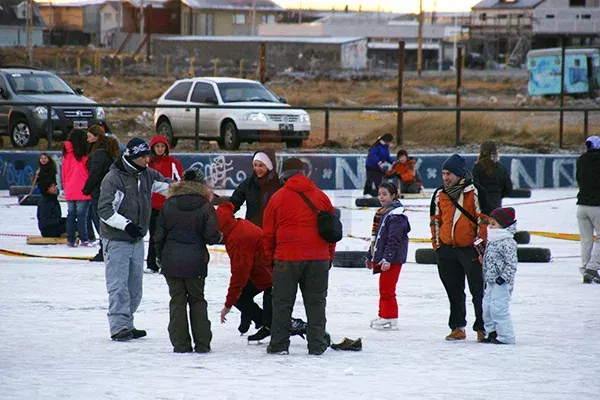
{"type": "Point", "coordinates": [457, 334]}
{"type": "Point", "coordinates": [480, 336]}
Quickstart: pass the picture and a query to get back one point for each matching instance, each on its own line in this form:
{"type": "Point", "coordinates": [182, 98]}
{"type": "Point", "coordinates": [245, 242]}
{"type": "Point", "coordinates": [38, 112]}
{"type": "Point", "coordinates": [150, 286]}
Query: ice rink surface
{"type": "Point", "coordinates": [55, 344]}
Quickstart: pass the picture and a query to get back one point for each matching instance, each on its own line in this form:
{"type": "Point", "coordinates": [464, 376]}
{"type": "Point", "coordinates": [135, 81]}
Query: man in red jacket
{"type": "Point", "coordinates": [300, 257]}
{"type": "Point", "coordinates": [169, 167]}
{"type": "Point", "coordinates": [250, 275]}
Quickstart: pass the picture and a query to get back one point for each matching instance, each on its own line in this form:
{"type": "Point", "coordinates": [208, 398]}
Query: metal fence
{"type": "Point", "coordinates": [327, 111]}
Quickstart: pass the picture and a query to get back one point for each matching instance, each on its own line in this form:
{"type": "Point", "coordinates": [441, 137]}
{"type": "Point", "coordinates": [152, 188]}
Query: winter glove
{"type": "Point", "coordinates": [133, 231]}
{"type": "Point", "coordinates": [500, 281]}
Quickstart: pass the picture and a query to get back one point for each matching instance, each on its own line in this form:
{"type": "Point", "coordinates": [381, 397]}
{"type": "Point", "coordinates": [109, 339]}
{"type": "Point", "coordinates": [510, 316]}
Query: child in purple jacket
{"type": "Point", "coordinates": [389, 246]}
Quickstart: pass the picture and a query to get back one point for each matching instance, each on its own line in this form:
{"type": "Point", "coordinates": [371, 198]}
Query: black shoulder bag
{"type": "Point", "coordinates": [330, 226]}
{"type": "Point", "coordinates": [462, 210]}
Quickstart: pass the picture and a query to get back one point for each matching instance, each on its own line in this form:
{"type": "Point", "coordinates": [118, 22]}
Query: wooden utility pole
{"type": "Point", "coordinates": [561, 122]}
{"type": "Point", "coordinates": [30, 31]}
{"type": "Point", "coordinates": [420, 40]}
{"type": "Point", "coordinates": [142, 17]}
{"type": "Point", "coordinates": [300, 13]}
{"type": "Point", "coordinates": [400, 116]}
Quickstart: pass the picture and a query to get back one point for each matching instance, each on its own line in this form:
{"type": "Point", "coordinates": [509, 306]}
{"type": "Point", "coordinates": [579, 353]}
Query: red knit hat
{"type": "Point", "coordinates": [504, 215]}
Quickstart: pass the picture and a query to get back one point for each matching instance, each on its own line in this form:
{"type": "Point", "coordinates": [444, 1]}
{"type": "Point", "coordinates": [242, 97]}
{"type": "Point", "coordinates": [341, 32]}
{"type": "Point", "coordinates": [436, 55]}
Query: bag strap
{"type": "Point", "coordinates": [310, 204]}
{"type": "Point", "coordinates": [462, 210]}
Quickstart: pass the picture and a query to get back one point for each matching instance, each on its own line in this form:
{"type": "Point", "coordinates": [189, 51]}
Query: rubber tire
{"type": "Point", "coordinates": [520, 194]}
{"type": "Point", "coordinates": [367, 202]}
{"type": "Point", "coordinates": [522, 237]}
{"type": "Point", "coordinates": [293, 143]}
{"type": "Point", "coordinates": [534, 255]}
{"type": "Point", "coordinates": [165, 129]}
{"type": "Point", "coordinates": [524, 255]}
{"type": "Point", "coordinates": [349, 259]}
{"type": "Point", "coordinates": [32, 200]}
{"type": "Point", "coordinates": [426, 256]}
{"type": "Point", "coordinates": [32, 139]}
{"type": "Point", "coordinates": [234, 142]}
{"type": "Point", "coordinates": [18, 190]}
{"type": "Point", "coordinates": [218, 200]}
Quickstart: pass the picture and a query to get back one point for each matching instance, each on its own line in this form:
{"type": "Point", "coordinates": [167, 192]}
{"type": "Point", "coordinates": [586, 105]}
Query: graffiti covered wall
{"type": "Point", "coordinates": [329, 172]}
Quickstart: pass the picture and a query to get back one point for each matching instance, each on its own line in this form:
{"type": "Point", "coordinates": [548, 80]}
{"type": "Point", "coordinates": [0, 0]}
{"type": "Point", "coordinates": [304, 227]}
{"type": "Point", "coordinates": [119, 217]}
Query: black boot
{"type": "Point", "coordinates": [262, 334]}
{"type": "Point", "coordinates": [138, 333]}
{"type": "Point", "coordinates": [244, 325]}
{"type": "Point", "coordinates": [299, 327]}
{"type": "Point", "coordinates": [122, 336]}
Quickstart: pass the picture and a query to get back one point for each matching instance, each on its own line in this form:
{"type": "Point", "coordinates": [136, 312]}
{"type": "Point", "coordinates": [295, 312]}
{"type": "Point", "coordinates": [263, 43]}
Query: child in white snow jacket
{"type": "Point", "coordinates": [499, 267]}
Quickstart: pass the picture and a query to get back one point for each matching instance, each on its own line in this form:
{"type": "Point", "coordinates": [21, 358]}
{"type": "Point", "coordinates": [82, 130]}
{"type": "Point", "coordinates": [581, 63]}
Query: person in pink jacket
{"type": "Point", "coordinates": [74, 174]}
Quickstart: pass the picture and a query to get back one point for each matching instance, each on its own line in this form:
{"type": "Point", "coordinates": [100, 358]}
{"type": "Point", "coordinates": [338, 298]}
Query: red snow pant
{"type": "Point", "coordinates": [388, 306]}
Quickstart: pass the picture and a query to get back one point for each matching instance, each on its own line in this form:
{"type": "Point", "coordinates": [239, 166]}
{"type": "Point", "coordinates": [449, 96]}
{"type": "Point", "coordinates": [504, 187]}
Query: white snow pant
{"type": "Point", "coordinates": [496, 313]}
{"type": "Point", "coordinates": [124, 263]}
{"type": "Point", "coordinates": [588, 218]}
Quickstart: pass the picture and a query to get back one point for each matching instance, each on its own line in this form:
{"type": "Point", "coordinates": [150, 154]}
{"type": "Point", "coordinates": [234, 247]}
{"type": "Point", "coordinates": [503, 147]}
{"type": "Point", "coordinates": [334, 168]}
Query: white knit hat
{"type": "Point", "coordinates": [263, 158]}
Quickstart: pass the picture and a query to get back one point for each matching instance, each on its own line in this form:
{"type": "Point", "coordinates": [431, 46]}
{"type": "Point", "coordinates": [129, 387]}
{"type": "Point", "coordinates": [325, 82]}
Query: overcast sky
{"type": "Point", "coordinates": [387, 5]}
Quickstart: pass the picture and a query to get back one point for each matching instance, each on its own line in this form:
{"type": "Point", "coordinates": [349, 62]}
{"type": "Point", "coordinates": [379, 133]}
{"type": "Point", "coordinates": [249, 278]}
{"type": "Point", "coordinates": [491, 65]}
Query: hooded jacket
{"type": "Point", "coordinates": [449, 226]}
{"type": "Point", "coordinates": [379, 153]}
{"type": "Point", "coordinates": [244, 245]}
{"type": "Point", "coordinates": [74, 174]}
{"type": "Point", "coordinates": [98, 165]}
{"type": "Point", "coordinates": [46, 175]}
{"type": "Point", "coordinates": [391, 241]}
{"type": "Point", "coordinates": [168, 166]}
{"type": "Point", "coordinates": [290, 230]}
{"type": "Point", "coordinates": [125, 197]}
{"type": "Point", "coordinates": [406, 172]}
{"type": "Point", "coordinates": [257, 192]}
{"type": "Point", "coordinates": [186, 224]}
{"type": "Point", "coordinates": [49, 215]}
{"type": "Point", "coordinates": [497, 186]}
{"type": "Point", "coordinates": [588, 178]}
{"type": "Point", "coordinates": [500, 257]}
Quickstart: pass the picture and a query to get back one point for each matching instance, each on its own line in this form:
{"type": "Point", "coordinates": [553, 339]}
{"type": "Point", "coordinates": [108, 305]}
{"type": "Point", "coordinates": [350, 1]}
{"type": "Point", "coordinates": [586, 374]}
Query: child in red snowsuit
{"type": "Point", "coordinates": [249, 273]}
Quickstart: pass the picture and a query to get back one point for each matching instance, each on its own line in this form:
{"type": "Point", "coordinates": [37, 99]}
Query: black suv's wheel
{"type": "Point", "coordinates": [21, 135]}
{"type": "Point", "coordinates": [230, 139]}
{"type": "Point", "coordinates": [165, 129]}
{"type": "Point", "coordinates": [293, 143]}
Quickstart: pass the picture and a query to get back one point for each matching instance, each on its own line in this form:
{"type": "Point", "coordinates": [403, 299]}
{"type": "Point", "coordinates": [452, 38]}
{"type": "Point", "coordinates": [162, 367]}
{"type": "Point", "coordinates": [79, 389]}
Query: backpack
{"type": "Point", "coordinates": [330, 226]}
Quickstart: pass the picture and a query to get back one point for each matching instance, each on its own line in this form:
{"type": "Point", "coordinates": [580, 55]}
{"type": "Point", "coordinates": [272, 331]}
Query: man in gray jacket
{"type": "Point", "coordinates": [124, 210]}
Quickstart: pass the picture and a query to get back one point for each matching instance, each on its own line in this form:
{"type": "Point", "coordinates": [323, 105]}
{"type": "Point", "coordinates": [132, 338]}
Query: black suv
{"type": "Point", "coordinates": [26, 124]}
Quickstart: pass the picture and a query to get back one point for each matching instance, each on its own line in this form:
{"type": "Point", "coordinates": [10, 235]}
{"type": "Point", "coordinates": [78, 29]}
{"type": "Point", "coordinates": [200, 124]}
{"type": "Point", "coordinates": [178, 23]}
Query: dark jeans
{"type": "Point", "coordinates": [77, 220]}
{"type": "Point", "coordinates": [313, 279]}
{"type": "Point", "coordinates": [411, 188]}
{"type": "Point", "coordinates": [184, 292]}
{"type": "Point", "coordinates": [250, 310]}
{"type": "Point", "coordinates": [373, 181]}
{"type": "Point", "coordinates": [55, 231]}
{"type": "Point", "coordinates": [96, 220]}
{"type": "Point", "coordinates": [151, 259]}
{"type": "Point", "coordinates": [453, 265]}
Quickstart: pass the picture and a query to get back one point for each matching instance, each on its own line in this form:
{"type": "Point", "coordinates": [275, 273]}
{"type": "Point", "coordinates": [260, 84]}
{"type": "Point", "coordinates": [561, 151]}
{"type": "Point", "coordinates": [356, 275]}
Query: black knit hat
{"type": "Point", "coordinates": [193, 174]}
{"type": "Point", "coordinates": [136, 148]}
{"type": "Point", "coordinates": [387, 137]}
{"type": "Point", "coordinates": [505, 216]}
{"type": "Point", "coordinates": [292, 164]}
{"type": "Point", "coordinates": [456, 164]}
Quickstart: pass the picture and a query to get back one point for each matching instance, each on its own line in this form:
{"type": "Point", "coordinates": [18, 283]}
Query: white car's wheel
{"type": "Point", "coordinates": [230, 138]}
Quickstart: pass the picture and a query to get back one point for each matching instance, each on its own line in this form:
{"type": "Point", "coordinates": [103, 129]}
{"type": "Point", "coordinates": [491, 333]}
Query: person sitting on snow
{"type": "Point", "coordinates": [49, 215]}
{"type": "Point", "coordinates": [405, 169]}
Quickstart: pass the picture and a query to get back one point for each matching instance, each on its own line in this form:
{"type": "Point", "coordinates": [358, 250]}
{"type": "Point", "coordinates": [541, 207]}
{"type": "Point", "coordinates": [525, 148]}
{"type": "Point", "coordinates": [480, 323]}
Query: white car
{"type": "Point", "coordinates": [229, 126]}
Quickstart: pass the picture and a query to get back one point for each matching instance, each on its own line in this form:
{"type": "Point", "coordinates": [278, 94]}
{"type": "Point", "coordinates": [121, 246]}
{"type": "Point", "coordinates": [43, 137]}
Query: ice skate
{"type": "Point", "coordinates": [262, 334]}
{"type": "Point", "coordinates": [384, 323]}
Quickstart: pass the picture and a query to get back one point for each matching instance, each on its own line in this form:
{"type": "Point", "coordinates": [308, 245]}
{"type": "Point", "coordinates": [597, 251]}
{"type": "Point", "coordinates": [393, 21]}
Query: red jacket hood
{"type": "Point", "coordinates": [160, 139]}
{"type": "Point", "coordinates": [68, 146]}
{"type": "Point", "coordinates": [226, 219]}
{"type": "Point", "coordinates": [299, 183]}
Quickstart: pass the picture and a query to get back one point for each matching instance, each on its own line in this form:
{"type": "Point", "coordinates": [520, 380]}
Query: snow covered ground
{"type": "Point", "coordinates": [54, 339]}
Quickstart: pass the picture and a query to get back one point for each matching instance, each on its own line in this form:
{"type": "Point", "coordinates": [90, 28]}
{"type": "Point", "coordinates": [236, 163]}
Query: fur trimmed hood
{"type": "Point", "coordinates": [187, 188]}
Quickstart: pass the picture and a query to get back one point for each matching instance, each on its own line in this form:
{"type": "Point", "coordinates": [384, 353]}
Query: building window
{"type": "Point", "coordinates": [107, 18]}
{"type": "Point", "coordinates": [268, 19]}
{"type": "Point", "coordinates": [549, 16]}
{"type": "Point", "coordinates": [576, 3]}
{"type": "Point", "coordinates": [577, 63]}
{"type": "Point", "coordinates": [586, 16]}
{"type": "Point", "coordinates": [483, 17]}
{"type": "Point", "coordinates": [239, 19]}
{"type": "Point", "coordinates": [502, 16]}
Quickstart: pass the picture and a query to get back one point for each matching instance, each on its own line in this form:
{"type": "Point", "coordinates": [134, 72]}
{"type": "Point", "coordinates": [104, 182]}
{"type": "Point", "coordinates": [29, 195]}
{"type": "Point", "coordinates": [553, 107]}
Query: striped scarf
{"type": "Point", "coordinates": [454, 191]}
{"type": "Point", "coordinates": [379, 214]}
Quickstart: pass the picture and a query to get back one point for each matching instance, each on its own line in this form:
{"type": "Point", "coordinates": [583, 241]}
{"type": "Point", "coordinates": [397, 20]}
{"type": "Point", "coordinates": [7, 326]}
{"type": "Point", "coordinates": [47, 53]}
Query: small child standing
{"type": "Point", "coordinates": [186, 224]}
{"type": "Point", "coordinates": [49, 215]}
{"type": "Point", "coordinates": [499, 267]}
{"type": "Point", "coordinates": [389, 246]}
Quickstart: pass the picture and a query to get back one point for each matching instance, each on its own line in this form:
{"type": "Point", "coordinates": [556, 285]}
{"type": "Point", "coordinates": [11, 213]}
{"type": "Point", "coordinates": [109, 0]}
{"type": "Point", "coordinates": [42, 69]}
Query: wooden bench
{"type": "Point", "coordinates": [39, 240]}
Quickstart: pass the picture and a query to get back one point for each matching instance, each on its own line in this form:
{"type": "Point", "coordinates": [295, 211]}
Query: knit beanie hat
{"type": "Point", "coordinates": [193, 174]}
{"type": "Point", "coordinates": [263, 158]}
{"type": "Point", "coordinates": [291, 167]}
{"type": "Point", "coordinates": [593, 143]}
{"type": "Point", "coordinates": [387, 138]}
{"type": "Point", "coordinates": [44, 185]}
{"type": "Point", "coordinates": [456, 164]}
{"type": "Point", "coordinates": [136, 148]}
{"type": "Point", "coordinates": [504, 215]}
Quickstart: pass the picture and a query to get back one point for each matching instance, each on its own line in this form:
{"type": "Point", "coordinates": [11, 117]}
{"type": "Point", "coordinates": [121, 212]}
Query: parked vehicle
{"type": "Point", "coordinates": [475, 61]}
{"type": "Point", "coordinates": [229, 126]}
{"type": "Point", "coordinates": [582, 71]}
{"type": "Point", "coordinates": [26, 124]}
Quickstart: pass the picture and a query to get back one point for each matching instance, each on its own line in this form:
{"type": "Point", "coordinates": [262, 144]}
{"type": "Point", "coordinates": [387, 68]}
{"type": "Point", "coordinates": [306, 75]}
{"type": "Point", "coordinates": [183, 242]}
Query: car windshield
{"type": "Point", "coordinates": [38, 84]}
{"type": "Point", "coordinates": [237, 92]}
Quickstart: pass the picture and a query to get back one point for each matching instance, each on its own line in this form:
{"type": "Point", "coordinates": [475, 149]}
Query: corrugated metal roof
{"type": "Point", "coordinates": [507, 4]}
{"type": "Point", "coordinates": [261, 5]}
{"type": "Point", "coordinates": [8, 15]}
{"type": "Point", "coordinates": [74, 3]}
{"type": "Point", "coordinates": [264, 39]}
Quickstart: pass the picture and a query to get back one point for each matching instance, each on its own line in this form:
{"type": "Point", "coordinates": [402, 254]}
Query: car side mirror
{"type": "Point", "coordinates": [211, 100]}
{"type": "Point", "coordinates": [283, 100]}
{"type": "Point", "coordinates": [79, 91]}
